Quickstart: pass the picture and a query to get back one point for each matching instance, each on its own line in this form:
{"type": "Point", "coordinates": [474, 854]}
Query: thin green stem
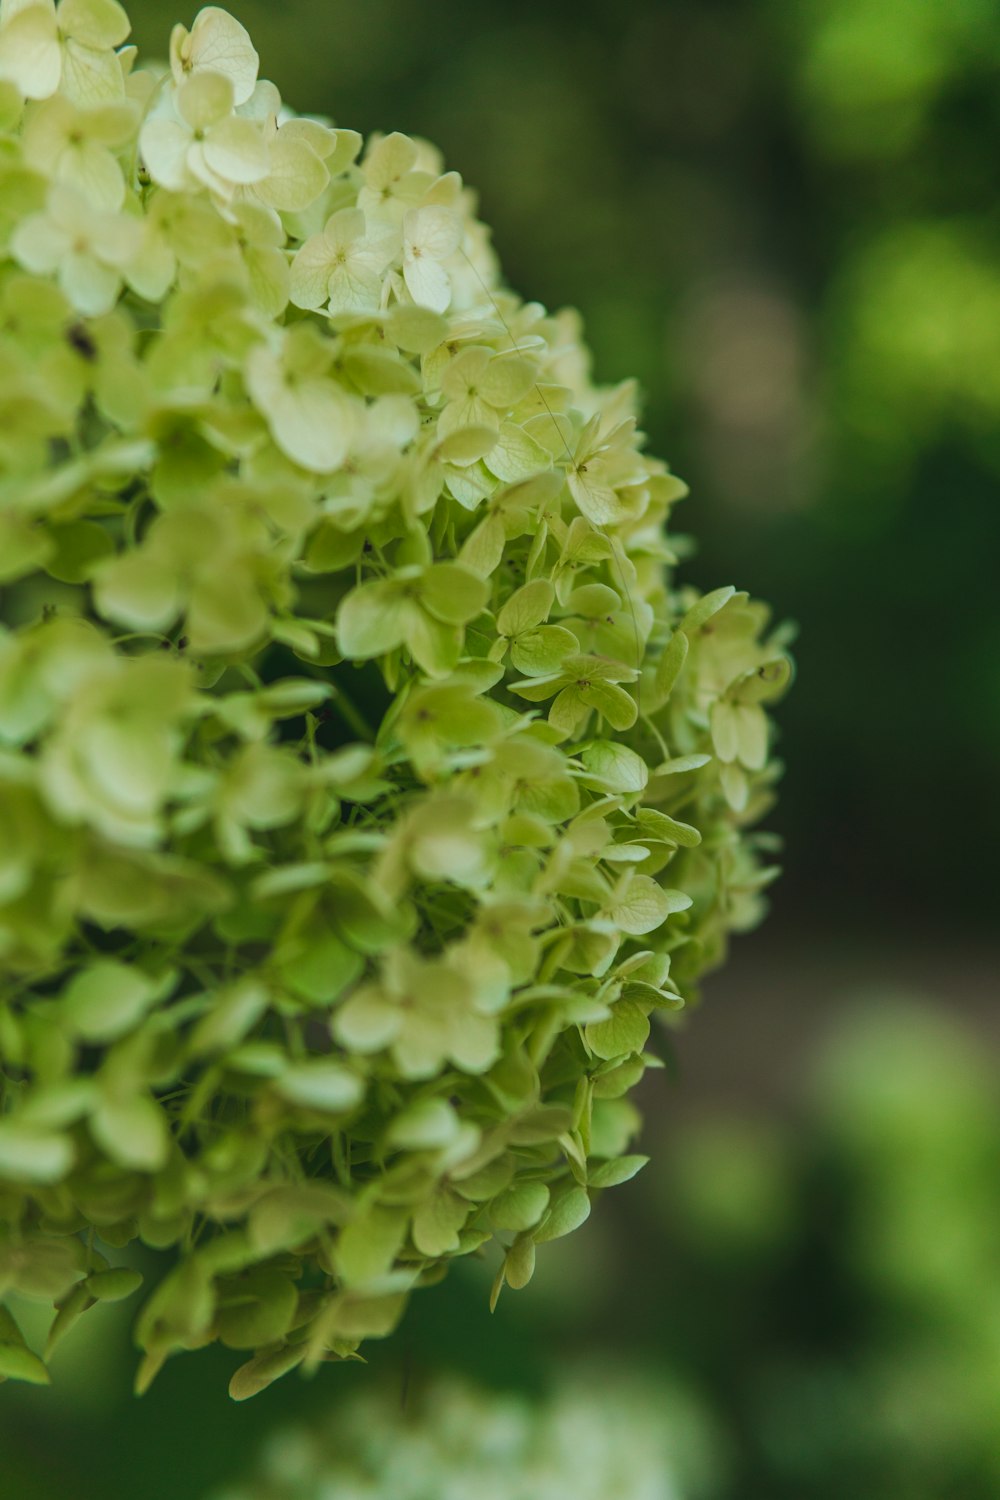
{"type": "Point", "coordinates": [352, 716]}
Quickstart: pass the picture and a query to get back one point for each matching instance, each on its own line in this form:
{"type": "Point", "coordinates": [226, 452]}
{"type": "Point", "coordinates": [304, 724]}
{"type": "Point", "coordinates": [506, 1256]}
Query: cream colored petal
{"type": "Point", "coordinates": [90, 77]}
{"type": "Point", "coordinates": [427, 283]}
{"type": "Point", "coordinates": [90, 286]}
{"type": "Point", "coordinates": [236, 150]}
{"type": "Point", "coordinates": [219, 44]}
{"type": "Point", "coordinates": [311, 268]}
{"type": "Point", "coordinates": [164, 146]}
{"type": "Point", "coordinates": [38, 244]}
{"type": "Point", "coordinates": [30, 55]}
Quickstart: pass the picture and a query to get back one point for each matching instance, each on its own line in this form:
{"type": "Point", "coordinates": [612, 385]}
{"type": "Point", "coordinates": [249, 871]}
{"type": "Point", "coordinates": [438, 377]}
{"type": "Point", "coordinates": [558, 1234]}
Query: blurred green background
{"type": "Point", "coordinates": [782, 219]}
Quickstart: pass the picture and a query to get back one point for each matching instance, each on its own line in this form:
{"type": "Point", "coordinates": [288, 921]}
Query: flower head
{"type": "Point", "coordinates": [368, 780]}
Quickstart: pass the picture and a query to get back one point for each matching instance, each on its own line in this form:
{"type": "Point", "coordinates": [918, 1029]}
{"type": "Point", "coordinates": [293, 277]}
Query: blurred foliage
{"type": "Point", "coordinates": [780, 217]}
{"type": "Point", "coordinates": [833, 1281]}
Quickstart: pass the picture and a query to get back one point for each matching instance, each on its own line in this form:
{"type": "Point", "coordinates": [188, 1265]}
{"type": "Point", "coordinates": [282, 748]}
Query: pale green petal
{"type": "Point", "coordinates": [568, 710]}
{"type": "Point", "coordinates": [483, 549]}
{"type": "Point", "coordinates": [670, 666]}
{"type": "Point", "coordinates": [106, 999]}
{"type": "Point", "coordinates": [132, 1131]}
{"type": "Point", "coordinates": [597, 501]}
{"type": "Point", "coordinates": [91, 287]}
{"type": "Point", "coordinates": [354, 290]}
{"type": "Point", "coordinates": [204, 99]}
{"type": "Point", "coordinates": [236, 150]}
{"type": "Point", "coordinates": [139, 590]}
{"type": "Point", "coordinates": [310, 272]}
{"type": "Point", "coordinates": [434, 646]}
{"type": "Point", "coordinates": [325, 1086]}
{"type": "Point", "coordinates": [312, 420]}
{"type": "Point", "coordinates": [128, 769]}
{"type": "Point", "coordinates": [643, 906]}
{"type": "Point", "coordinates": [296, 175]}
{"type": "Point", "coordinates": [11, 105]}
{"type": "Point", "coordinates": [725, 724]}
{"type": "Point", "coordinates": [151, 271]}
{"type": "Point", "coordinates": [29, 1154]}
{"type": "Point", "coordinates": [507, 379]}
{"type": "Point", "coordinates": [427, 283]}
{"type": "Point", "coordinates": [90, 77]}
{"type": "Point", "coordinates": [735, 786]}
{"type": "Point", "coordinates": [372, 620]}
{"type": "Point", "coordinates": [452, 593]}
{"type": "Point", "coordinates": [614, 767]}
{"type": "Point", "coordinates": [437, 1222]}
{"type": "Point", "coordinates": [752, 736]}
{"type": "Point", "coordinates": [467, 445]}
{"type": "Point", "coordinates": [612, 702]}
{"type": "Point", "coordinates": [217, 43]}
{"type": "Point", "coordinates": [527, 607]}
{"type": "Point", "coordinates": [539, 652]}
{"type": "Point", "coordinates": [101, 24]}
{"type": "Point", "coordinates": [367, 1021]}
{"type": "Point", "coordinates": [432, 233]}
{"type": "Point", "coordinates": [516, 455]}
{"type": "Point", "coordinates": [421, 1045]}
{"type": "Point", "coordinates": [96, 173]}
{"type": "Point", "coordinates": [474, 1042]}
{"type": "Point", "coordinates": [389, 160]}
{"type": "Point", "coordinates": [445, 845]}
{"type": "Point", "coordinates": [39, 245]}
{"type": "Point", "coordinates": [23, 547]}
{"type": "Point", "coordinates": [225, 612]}
{"type": "Point", "coordinates": [269, 278]}
{"type": "Point", "coordinates": [30, 56]}
{"type": "Point", "coordinates": [164, 145]}
{"type": "Point", "coordinates": [626, 1031]}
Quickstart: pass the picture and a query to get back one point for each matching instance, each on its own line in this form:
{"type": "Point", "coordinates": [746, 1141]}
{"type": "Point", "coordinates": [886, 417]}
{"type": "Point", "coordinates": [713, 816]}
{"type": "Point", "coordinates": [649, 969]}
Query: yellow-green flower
{"type": "Point", "coordinates": [367, 779]}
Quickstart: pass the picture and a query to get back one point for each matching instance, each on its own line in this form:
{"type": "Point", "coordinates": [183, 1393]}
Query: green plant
{"type": "Point", "coordinates": [350, 717]}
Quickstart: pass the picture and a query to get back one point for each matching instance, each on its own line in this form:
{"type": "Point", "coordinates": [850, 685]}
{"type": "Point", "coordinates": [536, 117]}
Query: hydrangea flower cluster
{"type": "Point", "coordinates": [365, 780]}
{"type": "Point", "coordinates": [634, 1439]}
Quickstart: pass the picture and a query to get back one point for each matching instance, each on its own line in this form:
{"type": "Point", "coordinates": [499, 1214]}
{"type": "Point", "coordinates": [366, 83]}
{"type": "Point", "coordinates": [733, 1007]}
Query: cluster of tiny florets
{"type": "Point", "coordinates": [627, 1437]}
{"type": "Point", "coordinates": [365, 779]}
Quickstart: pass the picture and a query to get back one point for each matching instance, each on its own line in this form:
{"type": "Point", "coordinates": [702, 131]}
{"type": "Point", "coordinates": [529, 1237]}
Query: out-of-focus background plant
{"type": "Point", "coordinates": [782, 220]}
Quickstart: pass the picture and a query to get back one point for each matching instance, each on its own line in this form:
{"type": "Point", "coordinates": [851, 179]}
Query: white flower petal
{"type": "Point", "coordinates": [217, 43]}
{"type": "Point", "coordinates": [30, 56]}
{"type": "Point", "coordinates": [389, 160]}
{"type": "Point", "coordinates": [164, 145]}
{"type": "Point", "coordinates": [236, 150]}
{"type": "Point", "coordinates": [344, 227]}
{"type": "Point", "coordinates": [427, 283]}
{"type": "Point", "coordinates": [311, 419]}
{"type": "Point", "coordinates": [296, 178]}
{"type": "Point", "coordinates": [90, 77]}
{"type": "Point", "coordinates": [152, 270]}
{"type": "Point", "coordinates": [354, 289]}
{"type": "Point", "coordinates": [310, 285]}
{"type": "Point", "coordinates": [100, 24]}
{"type": "Point", "coordinates": [96, 173]}
{"type": "Point", "coordinates": [38, 244]}
{"type": "Point", "coordinates": [204, 99]}
{"type": "Point", "coordinates": [313, 424]}
{"type": "Point", "coordinates": [435, 231]}
{"type": "Point", "coordinates": [90, 286]}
